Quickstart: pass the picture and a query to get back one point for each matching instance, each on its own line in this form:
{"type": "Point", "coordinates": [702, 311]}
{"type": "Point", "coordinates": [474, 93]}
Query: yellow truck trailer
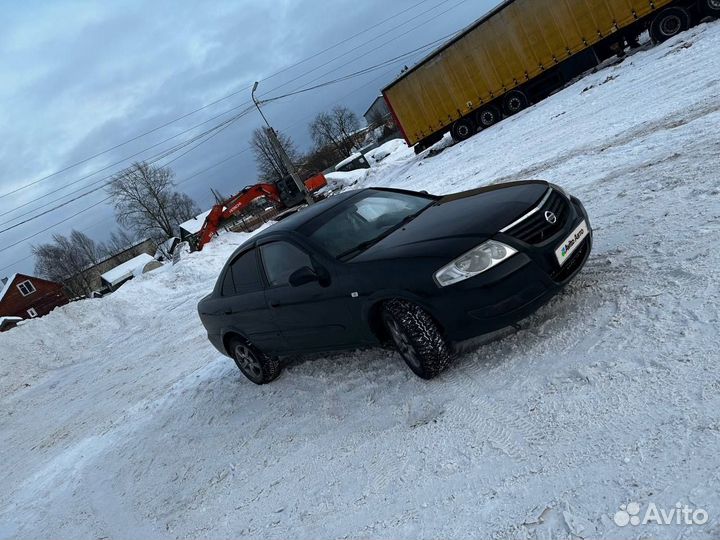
{"type": "Point", "coordinates": [520, 53]}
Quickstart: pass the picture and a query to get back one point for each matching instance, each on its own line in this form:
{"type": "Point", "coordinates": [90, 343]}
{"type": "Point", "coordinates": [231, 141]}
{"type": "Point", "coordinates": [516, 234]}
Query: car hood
{"type": "Point", "coordinates": [458, 222]}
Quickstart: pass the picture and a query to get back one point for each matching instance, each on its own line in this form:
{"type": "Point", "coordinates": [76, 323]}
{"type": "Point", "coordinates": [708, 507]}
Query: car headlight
{"type": "Point", "coordinates": [474, 262]}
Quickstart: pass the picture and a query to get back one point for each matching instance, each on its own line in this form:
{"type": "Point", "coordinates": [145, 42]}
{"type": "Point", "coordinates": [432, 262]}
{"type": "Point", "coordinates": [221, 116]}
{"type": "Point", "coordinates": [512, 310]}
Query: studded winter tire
{"type": "Point", "coordinates": [254, 364]}
{"type": "Point", "coordinates": [417, 338]}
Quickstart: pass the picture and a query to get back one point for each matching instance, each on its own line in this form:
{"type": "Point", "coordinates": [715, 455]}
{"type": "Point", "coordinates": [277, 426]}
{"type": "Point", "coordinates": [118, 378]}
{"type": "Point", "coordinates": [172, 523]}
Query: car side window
{"type": "Point", "coordinates": [281, 259]}
{"type": "Point", "coordinates": [243, 275]}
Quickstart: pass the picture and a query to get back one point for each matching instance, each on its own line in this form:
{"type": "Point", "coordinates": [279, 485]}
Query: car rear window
{"type": "Point", "coordinates": [243, 276]}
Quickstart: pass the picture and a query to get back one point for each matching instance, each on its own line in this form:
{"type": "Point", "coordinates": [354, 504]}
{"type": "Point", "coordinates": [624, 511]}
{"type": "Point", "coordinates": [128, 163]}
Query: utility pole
{"type": "Point", "coordinates": [281, 152]}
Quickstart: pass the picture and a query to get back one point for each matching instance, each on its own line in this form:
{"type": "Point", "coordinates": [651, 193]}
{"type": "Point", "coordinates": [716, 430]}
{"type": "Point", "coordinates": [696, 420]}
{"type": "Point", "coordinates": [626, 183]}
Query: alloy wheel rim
{"type": "Point", "coordinates": [514, 104]}
{"type": "Point", "coordinates": [713, 4]}
{"type": "Point", "coordinates": [463, 130]}
{"type": "Point", "coordinates": [402, 342]}
{"type": "Point", "coordinates": [487, 117]}
{"type": "Point", "coordinates": [672, 25]}
{"type": "Point", "coordinates": [247, 362]}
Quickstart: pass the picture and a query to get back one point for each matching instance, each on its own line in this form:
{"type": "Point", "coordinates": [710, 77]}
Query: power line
{"type": "Point", "coordinates": [221, 127]}
{"type": "Point", "coordinates": [244, 103]}
{"type": "Point", "coordinates": [107, 179]}
{"type": "Point", "coordinates": [162, 156]}
{"type": "Point", "coordinates": [297, 91]}
{"type": "Point", "coordinates": [89, 175]}
{"type": "Point", "coordinates": [360, 72]}
{"type": "Point", "coordinates": [187, 179]}
{"type": "Point", "coordinates": [207, 105]}
{"type": "Point", "coordinates": [83, 210]}
{"type": "Point", "coordinates": [371, 41]}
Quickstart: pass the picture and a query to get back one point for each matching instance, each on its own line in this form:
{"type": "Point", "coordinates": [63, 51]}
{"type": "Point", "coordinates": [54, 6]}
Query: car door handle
{"type": "Point", "coordinates": [228, 312]}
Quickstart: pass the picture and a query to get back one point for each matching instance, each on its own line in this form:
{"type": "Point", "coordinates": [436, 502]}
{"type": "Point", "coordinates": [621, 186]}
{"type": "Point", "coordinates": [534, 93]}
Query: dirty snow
{"type": "Point", "coordinates": [118, 419]}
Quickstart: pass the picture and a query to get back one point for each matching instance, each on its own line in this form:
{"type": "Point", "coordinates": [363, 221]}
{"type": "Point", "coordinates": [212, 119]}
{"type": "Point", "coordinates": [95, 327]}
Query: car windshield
{"type": "Point", "coordinates": [358, 223]}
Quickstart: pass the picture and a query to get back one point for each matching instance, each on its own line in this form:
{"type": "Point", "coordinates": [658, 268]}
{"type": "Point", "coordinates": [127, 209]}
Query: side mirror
{"type": "Point", "coordinates": [302, 276]}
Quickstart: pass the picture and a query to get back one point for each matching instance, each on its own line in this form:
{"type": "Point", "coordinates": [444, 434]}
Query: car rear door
{"type": "Point", "coordinates": [244, 304]}
{"type": "Point", "coordinates": [312, 316]}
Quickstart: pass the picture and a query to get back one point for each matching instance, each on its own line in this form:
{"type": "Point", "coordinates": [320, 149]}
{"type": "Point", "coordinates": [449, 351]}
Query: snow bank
{"type": "Point", "coordinates": [345, 180]}
{"type": "Point", "coordinates": [120, 420]}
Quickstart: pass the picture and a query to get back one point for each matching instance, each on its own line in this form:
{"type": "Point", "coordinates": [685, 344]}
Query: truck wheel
{"type": "Point", "coordinates": [515, 102]}
{"type": "Point", "coordinates": [710, 8]}
{"type": "Point", "coordinates": [463, 129]}
{"type": "Point", "coordinates": [254, 364]}
{"type": "Point", "coordinates": [488, 116]}
{"type": "Point", "coordinates": [417, 338]}
{"type": "Point", "coordinates": [669, 23]}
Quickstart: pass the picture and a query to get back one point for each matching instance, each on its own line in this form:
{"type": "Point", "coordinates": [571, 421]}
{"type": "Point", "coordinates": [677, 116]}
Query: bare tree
{"type": "Point", "coordinates": [119, 241]}
{"type": "Point", "coordinates": [347, 123]}
{"type": "Point", "coordinates": [337, 129]}
{"type": "Point", "coordinates": [377, 119]}
{"type": "Point", "coordinates": [66, 259]}
{"type": "Point", "coordinates": [145, 201]}
{"type": "Point", "coordinates": [269, 163]}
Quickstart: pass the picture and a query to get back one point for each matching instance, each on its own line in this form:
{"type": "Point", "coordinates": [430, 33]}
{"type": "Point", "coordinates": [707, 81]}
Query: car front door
{"type": "Point", "coordinates": [244, 305]}
{"type": "Point", "coordinates": [311, 316]}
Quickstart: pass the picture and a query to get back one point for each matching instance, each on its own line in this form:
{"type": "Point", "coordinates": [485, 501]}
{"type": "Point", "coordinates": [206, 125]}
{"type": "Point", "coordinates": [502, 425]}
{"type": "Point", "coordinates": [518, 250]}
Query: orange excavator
{"type": "Point", "coordinates": [283, 194]}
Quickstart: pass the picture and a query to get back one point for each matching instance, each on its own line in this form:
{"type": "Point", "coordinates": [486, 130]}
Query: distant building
{"type": "Point", "coordinates": [378, 113]}
{"type": "Point", "coordinates": [190, 229]}
{"type": "Point", "coordinates": [28, 297]}
{"type": "Point", "coordinates": [89, 279]}
{"type": "Point", "coordinates": [143, 263]}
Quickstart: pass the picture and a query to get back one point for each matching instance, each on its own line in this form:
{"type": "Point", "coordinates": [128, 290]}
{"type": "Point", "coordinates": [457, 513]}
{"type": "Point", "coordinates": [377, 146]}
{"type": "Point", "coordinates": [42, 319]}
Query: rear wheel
{"type": "Point", "coordinates": [669, 23]}
{"type": "Point", "coordinates": [709, 8]}
{"type": "Point", "coordinates": [417, 338]}
{"type": "Point", "coordinates": [254, 364]}
{"type": "Point", "coordinates": [488, 116]}
{"type": "Point", "coordinates": [463, 129]}
{"type": "Point", "coordinates": [515, 102]}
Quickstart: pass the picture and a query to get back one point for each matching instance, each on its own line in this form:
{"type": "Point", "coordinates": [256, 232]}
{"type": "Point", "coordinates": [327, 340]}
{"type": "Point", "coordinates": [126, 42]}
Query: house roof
{"type": "Point", "coordinates": [372, 105]}
{"type": "Point", "coordinates": [127, 269]}
{"type": "Point", "coordinates": [7, 286]}
{"type": "Point", "coordinates": [194, 225]}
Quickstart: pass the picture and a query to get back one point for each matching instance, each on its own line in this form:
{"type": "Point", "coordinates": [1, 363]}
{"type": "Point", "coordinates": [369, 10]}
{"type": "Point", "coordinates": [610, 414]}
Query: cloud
{"type": "Point", "coordinates": [79, 77]}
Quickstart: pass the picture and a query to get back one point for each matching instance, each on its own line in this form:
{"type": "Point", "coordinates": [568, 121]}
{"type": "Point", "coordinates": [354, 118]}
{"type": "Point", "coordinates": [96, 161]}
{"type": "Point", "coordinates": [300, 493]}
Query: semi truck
{"type": "Point", "coordinates": [518, 54]}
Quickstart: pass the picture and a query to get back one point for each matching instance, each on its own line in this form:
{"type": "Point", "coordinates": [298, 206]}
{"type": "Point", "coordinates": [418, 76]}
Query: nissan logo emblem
{"type": "Point", "coordinates": [550, 217]}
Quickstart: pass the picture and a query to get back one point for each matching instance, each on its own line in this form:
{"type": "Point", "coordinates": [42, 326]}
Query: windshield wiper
{"type": "Point", "coordinates": [362, 246]}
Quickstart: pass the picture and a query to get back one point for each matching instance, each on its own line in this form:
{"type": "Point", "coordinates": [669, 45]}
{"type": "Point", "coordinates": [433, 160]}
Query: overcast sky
{"type": "Point", "coordinates": [78, 78]}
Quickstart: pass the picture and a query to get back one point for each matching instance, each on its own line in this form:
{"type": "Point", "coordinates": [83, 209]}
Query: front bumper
{"type": "Point", "coordinates": [514, 289]}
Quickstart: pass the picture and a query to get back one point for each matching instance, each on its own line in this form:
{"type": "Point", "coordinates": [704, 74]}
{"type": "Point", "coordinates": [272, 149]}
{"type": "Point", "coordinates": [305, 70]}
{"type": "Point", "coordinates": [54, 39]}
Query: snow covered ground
{"type": "Point", "coordinates": [118, 419]}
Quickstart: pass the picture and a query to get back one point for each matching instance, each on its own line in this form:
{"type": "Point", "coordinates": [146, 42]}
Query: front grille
{"type": "Point", "coordinates": [536, 228]}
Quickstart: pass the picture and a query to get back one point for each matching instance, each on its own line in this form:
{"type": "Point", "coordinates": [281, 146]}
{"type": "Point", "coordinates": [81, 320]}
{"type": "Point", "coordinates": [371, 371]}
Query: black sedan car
{"type": "Point", "coordinates": [377, 266]}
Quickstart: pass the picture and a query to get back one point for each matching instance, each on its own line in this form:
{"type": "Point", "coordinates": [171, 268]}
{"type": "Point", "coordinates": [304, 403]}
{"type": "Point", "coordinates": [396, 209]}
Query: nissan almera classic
{"type": "Point", "coordinates": [389, 266]}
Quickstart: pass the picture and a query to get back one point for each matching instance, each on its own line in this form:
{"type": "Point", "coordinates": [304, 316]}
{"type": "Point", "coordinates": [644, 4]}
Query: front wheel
{"type": "Point", "coordinates": [669, 23]}
{"type": "Point", "coordinates": [254, 364]}
{"type": "Point", "coordinates": [417, 338]}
